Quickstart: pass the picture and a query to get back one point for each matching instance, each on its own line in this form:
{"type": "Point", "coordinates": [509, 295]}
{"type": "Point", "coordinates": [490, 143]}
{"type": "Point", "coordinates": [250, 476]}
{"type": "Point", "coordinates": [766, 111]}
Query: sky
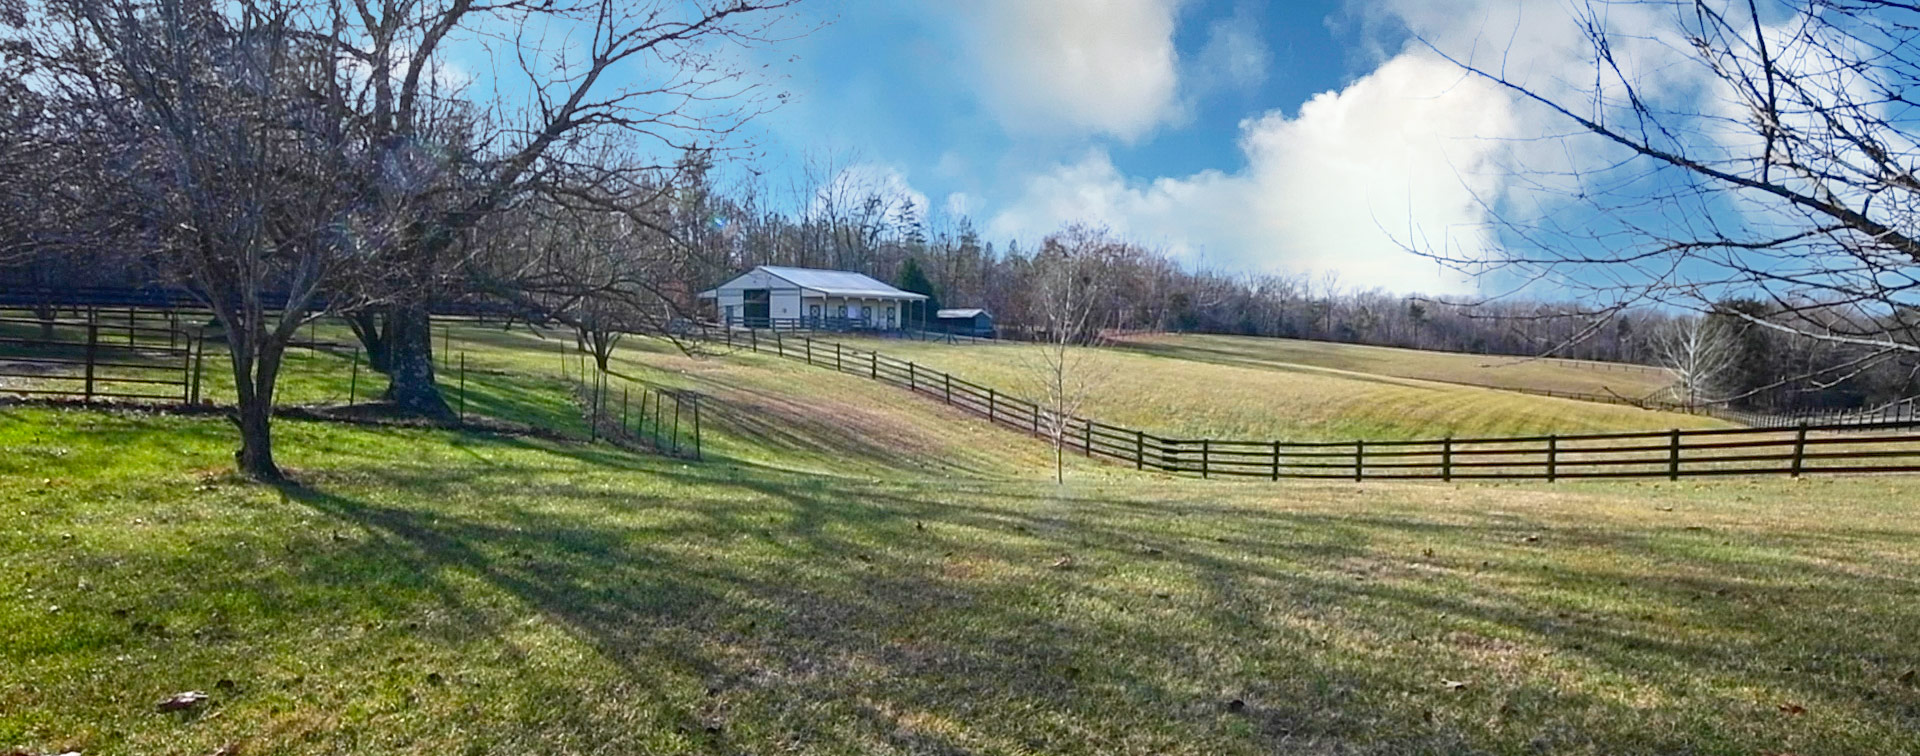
{"type": "Point", "coordinates": [1302, 136]}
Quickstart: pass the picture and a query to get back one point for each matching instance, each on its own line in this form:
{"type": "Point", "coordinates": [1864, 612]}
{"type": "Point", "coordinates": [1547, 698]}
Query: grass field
{"type": "Point", "coordinates": [853, 571]}
{"type": "Point", "coordinates": [1530, 374]}
{"type": "Point", "coordinates": [1173, 392]}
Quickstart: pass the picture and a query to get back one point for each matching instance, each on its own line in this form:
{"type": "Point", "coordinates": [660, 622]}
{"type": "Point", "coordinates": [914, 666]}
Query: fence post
{"type": "Point", "coordinates": [991, 400]}
{"type": "Point", "coordinates": [1086, 427]}
{"type": "Point", "coordinates": [779, 348]}
{"type": "Point", "coordinates": [1359, 459]}
{"type": "Point", "coordinates": [808, 341]}
{"type": "Point", "coordinates": [93, 340]}
{"type": "Point", "coordinates": [1553, 457]}
{"type": "Point", "coordinates": [836, 358]}
{"type": "Point", "coordinates": [873, 365]}
{"type": "Point", "coordinates": [1036, 420]}
{"type": "Point", "coordinates": [186, 371]}
{"type": "Point", "coordinates": [676, 421]}
{"type": "Point", "coordinates": [463, 387]}
{"type": "Point", "coordinates": [1206, 451]}
{"type": "Point", "coordinates": [753, 338]}
{"type": "Point", "coordinates": [1139, 450]}
{"type": "Point", "coordinates": [1276, 461]}
{"type": "Point", "coordinates": [1446, 459]}
{"type": "Point", "coordinates": [946, 386]}
{"type": "Point", "coordinates": [199, 357]}
{"type": "Point", "coordinates": [1673, 455]}
{"type": "Point", "coordinates": [910, 378]}
{"type": "Point", "coordinates": [353, 377]}
{"type": "Point", "coordinates": [696, 428]}
{"type": "Point", "coordinates": [1799, 448]}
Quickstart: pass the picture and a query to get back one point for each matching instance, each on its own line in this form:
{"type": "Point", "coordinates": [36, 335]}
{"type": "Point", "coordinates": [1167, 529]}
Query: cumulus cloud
{"type": "Point", "coordinates": [1416, 152]}
{"type": "Point", "coordinates": [1234, 56]}
{"type": "Point", "coordinates": [1402, 154]}
{"type": "Point", "coordinates": [1077, 66]}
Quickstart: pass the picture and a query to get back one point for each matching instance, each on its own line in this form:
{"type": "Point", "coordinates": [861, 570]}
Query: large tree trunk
{"type": "Point", "coordinates": [255, 377]}
{"type": "Point", "coordinates": [410, 379]}
{"type": "Point", "coordinates": [255, 457]}
{"type": "Point", "coordinates": [366, 325]}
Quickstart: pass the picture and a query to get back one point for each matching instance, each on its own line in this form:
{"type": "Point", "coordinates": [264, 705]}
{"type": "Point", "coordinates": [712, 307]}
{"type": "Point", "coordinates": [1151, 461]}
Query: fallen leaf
{"type": "Point", "coordinates": [1453, 684]}
{"type": "Point", "coordinates": [230, 749]}
{"type": "Point", "coordinates": [1792, 709]}
{"type": "Point", "coordinates": [1236, 706]}
{"type": "Point", "coordinates": [1063, 563]}
{"type": "Point", "coordinates": [183, 701]}
{"type": "Point", "coordinates": [1906, 678]}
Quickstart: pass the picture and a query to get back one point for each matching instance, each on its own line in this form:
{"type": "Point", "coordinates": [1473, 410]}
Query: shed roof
{"type": "Point", "coordinates": [837, 283]}
{"type": "Point", "coordinates": [962, 312]}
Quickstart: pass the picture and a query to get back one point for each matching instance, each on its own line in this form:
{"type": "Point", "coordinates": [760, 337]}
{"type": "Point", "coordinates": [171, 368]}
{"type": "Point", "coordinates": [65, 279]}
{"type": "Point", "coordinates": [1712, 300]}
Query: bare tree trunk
{"type": "Point", "coordinates": [410, 378]}
{"type": "Point", "coordinates": [366, 326]}
{"type": "Point", "coordinates": [256, 365]}
{"type": "Point", "coordinates": [255, 456]}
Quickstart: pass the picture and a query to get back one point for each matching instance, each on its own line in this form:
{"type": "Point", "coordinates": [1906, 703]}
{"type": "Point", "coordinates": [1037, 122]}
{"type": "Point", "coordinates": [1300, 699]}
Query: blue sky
{"type": "Point", "coordinates": [895, 82]}
{"type": "Point", "coordinates": [1184, 124]}
{"type": "Point", "coordinates": [1305, 137]}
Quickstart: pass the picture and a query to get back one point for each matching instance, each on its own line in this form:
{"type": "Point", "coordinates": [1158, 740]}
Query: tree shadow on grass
{"type": "Point", "coordinates": [934, 623]}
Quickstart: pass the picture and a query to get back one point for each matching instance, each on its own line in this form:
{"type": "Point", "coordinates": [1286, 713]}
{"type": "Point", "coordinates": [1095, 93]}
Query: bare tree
{"type": "Point", "coordinates": [204, 133]}
{"type": "Point", "coordinates": [473, 157]}
{"type": "Point", "coordinates": [1699, 353]}
{"type": "Point", "coordinates": [1069, 283]}
{"type": "Point", "coordinates": [1746, 149]}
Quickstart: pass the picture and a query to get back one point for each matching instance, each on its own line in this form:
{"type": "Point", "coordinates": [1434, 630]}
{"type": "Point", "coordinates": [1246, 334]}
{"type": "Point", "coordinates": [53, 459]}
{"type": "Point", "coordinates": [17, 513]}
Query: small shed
{"type": "Point", "coordinates": [969, 321]}
{"type": "Point", "coordinates": [773, 296]}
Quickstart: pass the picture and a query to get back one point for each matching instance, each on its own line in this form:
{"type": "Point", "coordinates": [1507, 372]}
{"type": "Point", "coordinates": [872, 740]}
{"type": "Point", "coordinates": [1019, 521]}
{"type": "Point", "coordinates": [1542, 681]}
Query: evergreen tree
{"type": "Point", "coordinates": [913, 279]}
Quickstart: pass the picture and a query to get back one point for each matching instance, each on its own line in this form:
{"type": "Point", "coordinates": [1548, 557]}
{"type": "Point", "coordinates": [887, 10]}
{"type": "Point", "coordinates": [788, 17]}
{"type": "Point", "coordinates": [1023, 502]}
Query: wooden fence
{"type": "Point", "coordinates": [1891, 446]}
{"type": "Point", "coordinates": [99, 358]}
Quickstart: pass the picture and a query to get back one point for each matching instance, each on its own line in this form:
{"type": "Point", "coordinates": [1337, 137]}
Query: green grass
{"type": "Point", "coordinates": [859, 570]}
{"type": "Point", "coordinates": [1183, 393]}
{"type": "Point", "coordinates": [429, 592]}
{"type": "Point", "coordinates": [1532, 374]}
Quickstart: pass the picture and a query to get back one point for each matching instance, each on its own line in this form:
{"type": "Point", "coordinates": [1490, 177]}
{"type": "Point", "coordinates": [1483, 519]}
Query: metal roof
{"type": "Point", "coordinates": [838, 283]}
{"type": "Point", "coordinates": [963, 312]}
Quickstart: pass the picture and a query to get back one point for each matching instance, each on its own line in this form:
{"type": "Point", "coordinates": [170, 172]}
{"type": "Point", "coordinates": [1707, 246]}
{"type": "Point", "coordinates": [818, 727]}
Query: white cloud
{"type": "Point", "coordinates": [1234, 56]}
{"type": "Point", "coordinates": [1399, 155]}
{"type": "Point", "coordinates": [852, 186]}
{"type": "Point", "coordinates": [1411, 153]}
{"type": "Point", "coordinates": [1077, 66]}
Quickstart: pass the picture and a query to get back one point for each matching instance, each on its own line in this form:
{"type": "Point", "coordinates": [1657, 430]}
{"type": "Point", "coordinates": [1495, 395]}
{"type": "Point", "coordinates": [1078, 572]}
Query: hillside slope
{"type": "Point", "coordinates": [1493, 371]}
{"type": "Point", "coordinates": [1172, 395]}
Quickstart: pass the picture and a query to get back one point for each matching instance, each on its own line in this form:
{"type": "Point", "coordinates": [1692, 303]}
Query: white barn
{"type": "Point", "coordinates": [772, 295]}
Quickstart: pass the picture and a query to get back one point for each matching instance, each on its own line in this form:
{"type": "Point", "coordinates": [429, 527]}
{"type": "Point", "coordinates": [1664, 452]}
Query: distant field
{"type": "Point", "coordinates": [1187, 393]}
{"type": "Point", "coordinates": [1534, 374]}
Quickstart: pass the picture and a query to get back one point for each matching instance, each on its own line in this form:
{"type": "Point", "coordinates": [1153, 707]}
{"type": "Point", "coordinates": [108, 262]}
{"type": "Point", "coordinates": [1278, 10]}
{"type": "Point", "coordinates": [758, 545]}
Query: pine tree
{"type": "Point", "coordinates": [913, 279]}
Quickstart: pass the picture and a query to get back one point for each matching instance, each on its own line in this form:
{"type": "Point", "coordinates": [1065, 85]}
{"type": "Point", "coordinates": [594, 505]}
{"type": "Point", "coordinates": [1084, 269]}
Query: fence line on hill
{"type": "Point", "coordinates": [1802, 448]}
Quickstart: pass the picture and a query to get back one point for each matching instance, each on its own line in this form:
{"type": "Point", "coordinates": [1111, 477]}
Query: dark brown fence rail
{"type": "Point", "coordinates": [1887, 446]}
{"type": "Point", "coordinates": [99, 359]}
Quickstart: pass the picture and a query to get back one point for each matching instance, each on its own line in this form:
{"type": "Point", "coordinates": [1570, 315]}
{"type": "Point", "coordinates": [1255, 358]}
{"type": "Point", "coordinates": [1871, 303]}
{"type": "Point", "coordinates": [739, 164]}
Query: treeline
{"type": "Point", "coordinates": [881, 234]}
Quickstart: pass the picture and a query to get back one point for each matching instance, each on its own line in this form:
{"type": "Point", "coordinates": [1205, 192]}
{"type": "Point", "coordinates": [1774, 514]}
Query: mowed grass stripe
{"type": "Point", "coordinates": [1176, 397]}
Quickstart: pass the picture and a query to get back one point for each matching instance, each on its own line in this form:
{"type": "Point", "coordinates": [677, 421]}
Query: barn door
{"type": "Point", "coordinates": [757, 306]}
